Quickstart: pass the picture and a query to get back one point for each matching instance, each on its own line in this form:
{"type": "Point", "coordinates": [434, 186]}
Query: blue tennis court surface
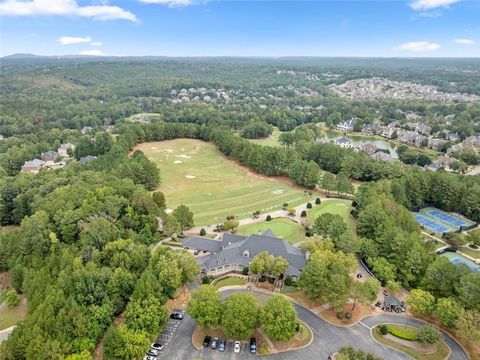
{"type": "Point", "coordinates": [431, 224]}
{"type": "Point", "coordinates": [470, 264]}
{"type": "Point", "coordinates": [450, 219]}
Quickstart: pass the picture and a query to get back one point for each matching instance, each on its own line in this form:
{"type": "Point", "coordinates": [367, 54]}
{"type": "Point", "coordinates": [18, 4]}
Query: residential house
{"type": "Point", "coordinates": [348, 125]}
{"type": "Point", "coordinates": [423, 129]}
{"type": "Point", "coordinates": [86, 130]}
{"type": "Point", "coordinates": [453, 137]}
{"type": "Point", "coordinates": [436, 144]}
{"type": "Point", "coordinates": [368, 148]}
{"type": "Point", "coordinates": [449, 119]}
{"type": "Point", "coordinates": [86, 159]}
{"type": "Point", "coordinates": [389, 130]}
{"type": "Point", "coordinates": [381, 156]}
{"type": "Point", "coordinates": [442, 162]}
{"type": "Point", "coordinates": [412, 138]}
{"type": "Point", "coordinates": [235, 252]}
{"type": "Point", "coordinates": [32, 166]}
{"type": "Point", "coordinates": [64, 149]}
{"type": "Point", "coordinates": [473, 140]}
{"type": "Point", "coordinates": [49, 156]}
{"type": "Point", "coordinates": [343, 142]}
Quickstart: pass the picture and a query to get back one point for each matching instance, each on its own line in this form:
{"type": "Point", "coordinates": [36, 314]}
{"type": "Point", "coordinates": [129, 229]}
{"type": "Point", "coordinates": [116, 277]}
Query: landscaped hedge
{"type": "Point", "coordinates": [409, 334]}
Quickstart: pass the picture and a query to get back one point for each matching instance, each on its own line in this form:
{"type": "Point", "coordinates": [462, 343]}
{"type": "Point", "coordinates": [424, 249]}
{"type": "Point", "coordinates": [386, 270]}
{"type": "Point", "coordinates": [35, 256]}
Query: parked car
{"type": "Point", "coordinates": [222, 344]}
{"type": "Point", "coordinates": [153, 352]}
{"type": "Point", "coordinates": [236, 347]}
{"type": "Point", "coordinates": [214, 343]}
{"type": "Point", "coordinates": [177, 314]}
{"type": "Point", "coordinates": [157, 346]}
{"type": "Point", "coordinates": [149, 357]}
{"type": "Point", "coordinates": [385, 293]}
{"type": "Point", "coordinates": [206, 341]}
{"type": "Point", "coordinates": [253, 346]}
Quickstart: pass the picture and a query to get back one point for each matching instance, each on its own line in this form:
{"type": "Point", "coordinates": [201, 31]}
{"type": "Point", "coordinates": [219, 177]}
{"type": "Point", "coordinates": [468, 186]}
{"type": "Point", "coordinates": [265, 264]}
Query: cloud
{"type": "Point", "coordinates": [465, 41]}
{"type": "Point", "coordinates": [92, 52]}
{"type": "Point", "coordinates": [431, 4]}
{"type": "Point", "coordinates": [71, 40]}
{"type": "Point", "coordinates": [171, 3]}
{"type": "Point", "coordinates": [418, 46]}
{"type": "Point", "coordinates": [63, 8]}
{"type": "Point", "coordinates": [96, 43]}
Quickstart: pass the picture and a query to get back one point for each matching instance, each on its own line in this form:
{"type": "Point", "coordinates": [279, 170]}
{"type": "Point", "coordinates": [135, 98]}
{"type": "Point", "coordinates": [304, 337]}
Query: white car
{"type": "Point", "coordinates": [149, 357]}
{"type": "Point", "coordinates": [236, 347]}
{"type": "Point", "coordinates": [157, 346]}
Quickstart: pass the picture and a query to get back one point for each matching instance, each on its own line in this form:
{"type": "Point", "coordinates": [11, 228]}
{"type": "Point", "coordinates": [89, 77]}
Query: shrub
{"type": "Point", "coordinates": [203, 232]}
{"type": "Point", "coordinates": [291, 211]}
{"type": "Point", "coordinates": [288, 281]}
{"type": "Point", "coordinates": [245, 270]}
{"type": "Point", "coordinates": [340, 315]}
{"type": "Point", "coordinates": [309, 205]}
{"type": "Point", "coordinates": [383, 329]}
{"type": "Point", "coordinates": [269, 218]}
{"type": "Point", "coordinates": [12, 298]}
{"type": "Point", "coordinates": [264, 349]}
{"type": "Point", "coordinates": [428, 335]}
{"type": "Point", "coordinates": [206, 279]}
{"type": "Point", "coordinates": [230, 217]}
{"type": "Point", "coordinates": [318, 201]}
{"type": "Point", "coordinates": [401, 334]}
{"type": "Point", "coordinates": [285, 206]}
{"type": "Point", "coordinates": [348, 315]}
{"type": "Point", "coordinates": [303, 214]}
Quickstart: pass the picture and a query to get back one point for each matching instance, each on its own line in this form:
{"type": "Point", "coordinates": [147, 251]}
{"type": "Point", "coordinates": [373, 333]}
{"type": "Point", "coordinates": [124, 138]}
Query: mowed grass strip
{"type": "Point", "coordinates": [333, 206]}
{"type": "Point", "coordinates": [283, 228]}
{"type": "Point", "coordinates": [195, 173]}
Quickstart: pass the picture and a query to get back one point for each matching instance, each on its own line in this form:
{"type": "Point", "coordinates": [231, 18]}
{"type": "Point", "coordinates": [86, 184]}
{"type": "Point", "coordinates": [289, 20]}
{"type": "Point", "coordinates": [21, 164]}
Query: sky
{"type": "Point", "coordinates": [388, 28]}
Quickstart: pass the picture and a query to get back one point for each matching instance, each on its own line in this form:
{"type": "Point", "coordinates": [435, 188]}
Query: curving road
{"type": "Point", "coordinates": [327, 339]}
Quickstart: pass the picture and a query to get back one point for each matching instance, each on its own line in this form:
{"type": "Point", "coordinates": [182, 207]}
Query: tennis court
{"type": "Point", "coordinates": [452, 220]}
{"type": "Point", "coordinates": [458, 259]}
{"type": "Point", "coordinates": [431, 224]}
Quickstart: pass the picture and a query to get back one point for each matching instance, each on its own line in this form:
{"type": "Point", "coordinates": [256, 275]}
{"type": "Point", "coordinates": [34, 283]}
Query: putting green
{"type": "Point", "coordinates": [333, 206]}
{"type": "Point", "coordinates": [195, 173]}
{"type": "Point", "coordinates": [283, 228]}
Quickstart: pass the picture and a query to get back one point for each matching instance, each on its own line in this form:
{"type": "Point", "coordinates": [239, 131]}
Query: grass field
{"type": "Point", "coordinates": [143, 117]}
{"type": "Point", "coordinates": [9, 316]}
{"type": "Point", "coordinates": [284, 228]}
{"type": "Point", "coordinates": [272, 140]}
{"type": "Point", "coordinates": [334, 206]}
{"type": "Point", "coordinates": [229, 281]}
{"type": "Point", "coordinates": [195, 173]}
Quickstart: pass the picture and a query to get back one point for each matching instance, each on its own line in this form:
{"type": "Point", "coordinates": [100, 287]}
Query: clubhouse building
{"type": "Point", "coordinates": [235, 252]}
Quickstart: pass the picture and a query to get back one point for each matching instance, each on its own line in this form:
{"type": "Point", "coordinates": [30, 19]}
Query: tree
{"type": "Point", "coordinates": [205, 306]}
{"type": "Point", "coordinates": [468, 290]}
{"type": "Point", "coordinates": [278, 318]}
{"type": "Point", "coordinates": [365, 292]}
{"type": "Point", "coordinates": [269, 218]}
{"type": "Point", "coordinates": [468, 324]}
{"type": "Point", "coordinates": [124, 344]}
{"type": "Point", "coordinates": [428, 334]}
{"type": "Point", "coordinates": [383, 269]}
{"type": "Point", "coordinates": [343, 185]}
{"type": "Point", "coordinates": [231, 225]}
{"type": "Point", "coordinates": [328, 182]}
{"type": "Point", "coordinates": [421, 302]}
{"type": "Point", "coordinates": [12, 298]}
{"type": "Point", "coordinates": [148, 315]}
{"type": "Point", "coordinates": [447, 310]}
{"type": "Point", "coordinates": [473, 237]}
{"type": "Point", "coordinates": [262, 263]}
{"type": "Point", "coordinates": [303, 214]}
{"type": "Point", "coordinates": [329, 225]}
{"type": "Point", "coordinates": [239, 315]}
{"type": "Point", "coordinates": [203, 232]}
{"type": "Point", "coordinates": [349, 353]}
{"type": "Point", "coordinates": [318, 201]}
{"type": "Point", "coordinates": [291, 211]}
{"type": "Point", "coordinates": [456, 240]}
{"type": "Point", "coordinates": [279, 266]}
{"type": "Point", "coordinates": [159, 199]}
{"type": "Point", "coordinates": [184, 217]}
{"type": "Point", "coordinates": [309, 205]}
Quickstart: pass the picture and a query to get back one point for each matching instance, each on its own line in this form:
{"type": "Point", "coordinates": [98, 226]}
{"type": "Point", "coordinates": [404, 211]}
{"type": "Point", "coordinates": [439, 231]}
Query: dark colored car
{"type": "Point", "coordinates": [214, 343]}
{"type": "Point", "coordinates": [157, 346]}
{"type": "Point", "coordinates": [206, 341]}
{"type": "Point", "coordinates": [222, 344]}
{"type": "Point", "coordinates": [177, 314]}
{"type": "Point", "coordinates": [253, 346]}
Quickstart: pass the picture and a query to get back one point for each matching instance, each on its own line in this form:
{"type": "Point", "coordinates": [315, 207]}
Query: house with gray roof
{"type": "Point", "coordinates": [86, 159]}
{"type": "Point", "coordinates": [235, 252]}
{"type": "Point", "coordinates": [32, 166]}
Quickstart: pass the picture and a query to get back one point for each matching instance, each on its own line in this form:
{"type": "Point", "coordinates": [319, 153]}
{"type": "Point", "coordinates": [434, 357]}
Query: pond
{"type": "Point", "coordinates": [358, 140]}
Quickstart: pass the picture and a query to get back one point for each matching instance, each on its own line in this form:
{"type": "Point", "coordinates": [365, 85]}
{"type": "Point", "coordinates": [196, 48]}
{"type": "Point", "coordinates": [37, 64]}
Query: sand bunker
{"type": "Point", "coordinates": [277, 192]}
{"type": "Point", "coordinates": [185, 156]}
{"type": "Point", "coordinates": [177, 162]}
{"type": "Point", "coordinates": [190, 176]}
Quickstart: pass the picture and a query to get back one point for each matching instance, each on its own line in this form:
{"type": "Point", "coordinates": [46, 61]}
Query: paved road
{"type": "Point", "coordinates": [327, 339]}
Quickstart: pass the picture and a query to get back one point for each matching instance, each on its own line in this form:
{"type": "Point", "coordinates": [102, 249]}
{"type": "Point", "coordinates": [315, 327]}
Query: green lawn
{"type": "Point", "coordinates": [440, 354]}
{"type": "Point", "coordinates": [272, 140]}
{"type": "Point", "coordinates": [470, 252]}
{"type": "Point", "coordinates": [195, 173]}
{"type": "Point", "coordinates": [283, 228]}
{"type": "Point", "coordinates": [143, 117]}
{"type": "Point", "coordinates": [334, 206]}
{"type": "Point", "coordinates": [229, 281]}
